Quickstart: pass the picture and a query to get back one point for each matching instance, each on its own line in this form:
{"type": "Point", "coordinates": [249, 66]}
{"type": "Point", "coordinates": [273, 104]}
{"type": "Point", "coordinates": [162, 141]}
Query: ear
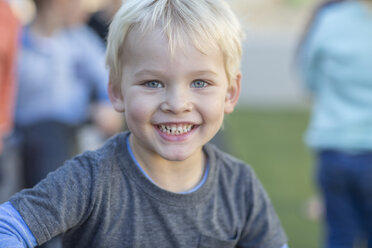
{"type": "Point", "coordinates": [116, 97]}
{"type": "Point", "coordinates": [232, 95]}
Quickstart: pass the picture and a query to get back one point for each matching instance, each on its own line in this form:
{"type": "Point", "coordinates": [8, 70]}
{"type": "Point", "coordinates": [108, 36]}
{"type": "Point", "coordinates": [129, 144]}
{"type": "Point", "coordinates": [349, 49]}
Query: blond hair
{"type": "Point", "coordinates": [204, 22]}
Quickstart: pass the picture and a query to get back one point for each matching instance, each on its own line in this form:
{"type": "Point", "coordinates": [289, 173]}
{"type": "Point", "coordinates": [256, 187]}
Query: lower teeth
{"type": "Point", "coordinates": [173, 132]}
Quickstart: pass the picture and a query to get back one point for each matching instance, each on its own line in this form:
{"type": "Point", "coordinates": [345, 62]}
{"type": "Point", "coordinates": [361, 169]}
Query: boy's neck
{"type": "Point", "coordinates": [174, 176]}
{"type": "Point", "coordinates": [177, 179]}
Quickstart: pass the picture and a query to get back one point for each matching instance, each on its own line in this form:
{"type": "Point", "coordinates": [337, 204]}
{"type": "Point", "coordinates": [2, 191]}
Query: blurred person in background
{"type": "Point", "coordinates": [61, 64]}
{"type": "Point", "coordinates": [9, 29]}
{"type": "Point", "coordinates": [335, 60]}
{"type": "Point", "coordinates": [101, 19]}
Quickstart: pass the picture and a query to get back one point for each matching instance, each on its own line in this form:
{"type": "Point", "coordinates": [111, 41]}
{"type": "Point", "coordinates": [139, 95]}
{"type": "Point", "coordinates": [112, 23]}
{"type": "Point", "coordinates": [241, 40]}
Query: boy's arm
{"type": "Point", "coordinates": [14, 233]}
{"type": "Point", "coordinates": [59, 202]}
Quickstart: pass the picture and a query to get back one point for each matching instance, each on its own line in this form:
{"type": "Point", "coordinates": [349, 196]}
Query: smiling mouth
{"type": "Point", "coordinates": [176, 129]}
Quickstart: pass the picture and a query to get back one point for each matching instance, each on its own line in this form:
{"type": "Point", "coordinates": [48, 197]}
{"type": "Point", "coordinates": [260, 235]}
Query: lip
{"type": "Point", "coordinates": [176, 123]}
{"type": "Point", "coordinates": [173, 137]}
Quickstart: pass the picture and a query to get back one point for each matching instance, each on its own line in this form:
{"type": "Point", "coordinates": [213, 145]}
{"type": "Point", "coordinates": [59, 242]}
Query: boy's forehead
{"type": "Point", "coordinates": [156, 42]}
{"type": "Point", "coordinates": [149, 52]}
{"type": "Point", "coordinates": [137, 39]}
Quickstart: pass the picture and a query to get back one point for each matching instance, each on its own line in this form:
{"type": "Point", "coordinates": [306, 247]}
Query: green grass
{"type": "Point", "coordinates": [271, 141]}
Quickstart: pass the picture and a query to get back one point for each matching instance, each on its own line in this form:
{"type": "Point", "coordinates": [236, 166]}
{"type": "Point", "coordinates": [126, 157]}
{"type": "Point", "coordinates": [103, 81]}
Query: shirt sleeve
{"type": "Point", "coordinates": [93, 55]}
{"type": "Point", "coordinates": [310, 53]}
{"type": "Point", "coordinates": [14, 233]}
{"type": "Point", "coordinates": [59, 202]}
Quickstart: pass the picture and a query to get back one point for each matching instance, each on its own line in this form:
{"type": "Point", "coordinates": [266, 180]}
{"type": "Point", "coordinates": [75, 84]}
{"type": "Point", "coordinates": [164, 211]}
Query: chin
{"type": "Point", "coordinates": [176, 156]}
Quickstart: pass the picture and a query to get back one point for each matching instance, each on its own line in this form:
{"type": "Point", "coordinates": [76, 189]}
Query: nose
{"type": "Point", "coordinates": [177, 100]}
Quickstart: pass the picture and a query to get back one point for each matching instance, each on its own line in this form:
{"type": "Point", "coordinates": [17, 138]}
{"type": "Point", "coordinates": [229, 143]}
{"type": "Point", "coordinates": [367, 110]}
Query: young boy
{"type": "Point", "coordinates": [174, 72]}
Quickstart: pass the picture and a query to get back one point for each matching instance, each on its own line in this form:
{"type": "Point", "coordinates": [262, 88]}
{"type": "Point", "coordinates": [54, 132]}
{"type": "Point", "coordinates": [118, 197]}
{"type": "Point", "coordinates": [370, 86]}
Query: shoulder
{"type": "Point", "coordinates": [7, 16]}
{"type": "Point", "coordinates": [338, 13]}
{"type": "Point", "coordinates": [231, 171]}
{"type": "Point", "coordinates": [227, 161]}
{"type": "Point", "coordinates": [86, 173]}
{"type": "Point", "coordinates": [95, 165]}
{"type": "Point", "coordinates": [331, 20]}
{"type": "Point", "coordinates": [108, 153]}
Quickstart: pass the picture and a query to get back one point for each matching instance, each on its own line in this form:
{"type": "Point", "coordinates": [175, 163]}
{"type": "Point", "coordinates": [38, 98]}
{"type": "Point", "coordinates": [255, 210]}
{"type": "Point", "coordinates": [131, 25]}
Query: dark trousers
{"type": "Point", "coordinates": [44, 147]}
{"type": "Point", "coordinates": [9, 169]}
{"type": "Point", "coordinates": [345, 180]}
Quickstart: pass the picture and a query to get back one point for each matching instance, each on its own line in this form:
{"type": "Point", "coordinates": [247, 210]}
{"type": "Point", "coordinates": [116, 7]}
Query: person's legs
{"type": "Point", "coordinates": [45, 147]}
{"type": "Point", "coordinates": [10, 178]}
{"type": "Point", "coordinates": [363, 181]}
{"type": "Point", "coordinates": [342, 227]}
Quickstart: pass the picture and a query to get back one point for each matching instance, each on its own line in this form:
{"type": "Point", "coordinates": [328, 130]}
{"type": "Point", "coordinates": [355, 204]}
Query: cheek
{"type": "Point", "coordinates": [214, 110]}
{"type": "Point", "coordinates": [138, 110]}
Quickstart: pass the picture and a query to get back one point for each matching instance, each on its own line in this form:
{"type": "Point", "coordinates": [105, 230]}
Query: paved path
{"type": "Point", "coordinates": [269, 77]}
{"type": "Point", "coordinates": [273, 30]}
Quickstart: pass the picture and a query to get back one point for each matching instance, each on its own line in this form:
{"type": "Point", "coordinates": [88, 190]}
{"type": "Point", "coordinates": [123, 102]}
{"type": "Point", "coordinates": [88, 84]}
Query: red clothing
{"type": "Point", "coordinates": [9, 27]}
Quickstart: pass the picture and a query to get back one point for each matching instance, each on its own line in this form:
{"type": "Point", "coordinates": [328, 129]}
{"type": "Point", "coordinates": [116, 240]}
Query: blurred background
{"type": "Point", "coordinates": [268, 127]}
{"type": "Point", "coordinates": [266, 130]}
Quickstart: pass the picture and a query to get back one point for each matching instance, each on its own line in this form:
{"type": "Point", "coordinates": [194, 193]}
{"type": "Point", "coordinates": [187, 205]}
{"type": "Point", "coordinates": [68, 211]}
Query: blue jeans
{"type": "Point", "coordinates": [345, 180]}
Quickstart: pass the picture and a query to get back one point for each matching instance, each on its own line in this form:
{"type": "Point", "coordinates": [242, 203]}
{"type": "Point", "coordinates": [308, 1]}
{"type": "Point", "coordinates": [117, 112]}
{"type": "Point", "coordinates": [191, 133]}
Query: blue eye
{"type": "Point", "coordinates": [199, 84]}
{"type": "Point", "coordinates": [153, 84]}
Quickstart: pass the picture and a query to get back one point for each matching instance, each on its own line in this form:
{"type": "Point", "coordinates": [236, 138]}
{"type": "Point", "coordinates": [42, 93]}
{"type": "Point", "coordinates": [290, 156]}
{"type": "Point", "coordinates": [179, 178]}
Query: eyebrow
{"type": "Point", "coordinates": [147, 72]}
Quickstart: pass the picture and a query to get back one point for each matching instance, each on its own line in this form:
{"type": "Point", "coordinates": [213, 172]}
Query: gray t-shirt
{"type": "Point", "coordinates": [102, 199]}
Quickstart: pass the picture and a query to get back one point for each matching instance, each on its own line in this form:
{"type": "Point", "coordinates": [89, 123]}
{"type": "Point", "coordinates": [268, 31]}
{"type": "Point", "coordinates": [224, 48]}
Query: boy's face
{"type": "Point", "coordinates": [173, 106]}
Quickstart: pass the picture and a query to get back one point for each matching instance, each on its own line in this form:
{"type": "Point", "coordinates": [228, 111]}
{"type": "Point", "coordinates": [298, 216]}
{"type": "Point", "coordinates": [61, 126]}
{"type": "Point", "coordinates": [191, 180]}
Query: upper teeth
{"type": "Point", "coordinates": [175, 129]}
